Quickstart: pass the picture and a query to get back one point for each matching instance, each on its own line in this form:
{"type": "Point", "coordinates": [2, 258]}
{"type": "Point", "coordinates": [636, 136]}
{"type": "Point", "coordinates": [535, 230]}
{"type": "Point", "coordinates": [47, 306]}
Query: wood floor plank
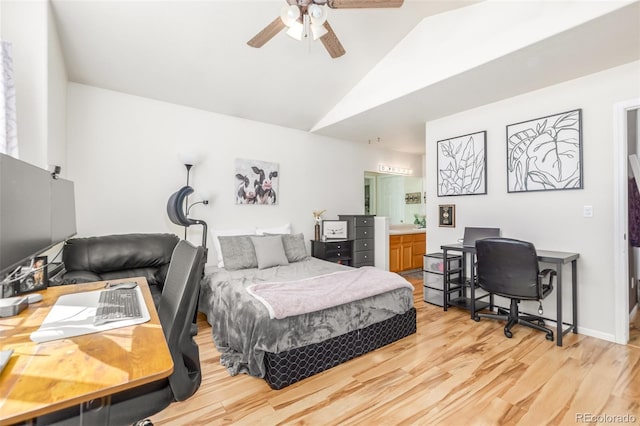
{"type": "Point", "coordinates": [453, 371]}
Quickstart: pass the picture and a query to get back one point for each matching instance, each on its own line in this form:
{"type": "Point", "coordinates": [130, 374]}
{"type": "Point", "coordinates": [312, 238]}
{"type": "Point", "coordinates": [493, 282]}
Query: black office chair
{"type": "Point", "coordinates": [509, 268]}
{"type": "Point", "coordinates": [177, 307]}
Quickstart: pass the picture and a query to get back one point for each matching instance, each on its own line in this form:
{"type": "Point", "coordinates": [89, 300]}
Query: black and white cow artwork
{"type": "Point", "coordinates": [265, 193]}
{"type": "Point", "coordinates": [246, 193]}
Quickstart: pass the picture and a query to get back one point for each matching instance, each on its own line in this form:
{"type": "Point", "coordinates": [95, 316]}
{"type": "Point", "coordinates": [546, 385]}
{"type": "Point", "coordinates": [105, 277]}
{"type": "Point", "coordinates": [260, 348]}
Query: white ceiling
{"type": "Point", "coordinates": [194, 53]}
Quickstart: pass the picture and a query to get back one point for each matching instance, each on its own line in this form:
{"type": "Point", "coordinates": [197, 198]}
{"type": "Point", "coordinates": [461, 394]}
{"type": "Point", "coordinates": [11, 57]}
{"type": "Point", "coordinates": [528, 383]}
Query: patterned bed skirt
{"type": "Point", "coordinates": [286, 368]}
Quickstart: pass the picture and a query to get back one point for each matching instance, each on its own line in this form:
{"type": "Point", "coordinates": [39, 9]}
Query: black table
{"type": "Point", "coordinates": [557, 258]}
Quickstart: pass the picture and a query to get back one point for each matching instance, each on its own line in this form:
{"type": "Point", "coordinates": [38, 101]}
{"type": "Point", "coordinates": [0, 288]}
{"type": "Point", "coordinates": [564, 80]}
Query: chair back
{"type": "Point", "coordinates": [176, 207]}
{"type": "Point", "coordinates": [178, 215]}
{"type": "Point", "coordinates": [508, 268]}
{"type": "Point", "coordinates": [176, 311]}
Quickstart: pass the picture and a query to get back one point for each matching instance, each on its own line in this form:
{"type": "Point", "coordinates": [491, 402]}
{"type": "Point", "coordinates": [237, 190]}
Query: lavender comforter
{"type": "Point", "coordinates": [243, 331]}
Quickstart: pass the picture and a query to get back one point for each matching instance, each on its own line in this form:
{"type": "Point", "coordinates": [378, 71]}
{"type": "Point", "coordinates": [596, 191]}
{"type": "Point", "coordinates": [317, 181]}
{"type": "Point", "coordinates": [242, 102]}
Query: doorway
{"type": "Point", "coordinates": [633, 151]}
{"type": "Point", "coordinates": [622, 271]}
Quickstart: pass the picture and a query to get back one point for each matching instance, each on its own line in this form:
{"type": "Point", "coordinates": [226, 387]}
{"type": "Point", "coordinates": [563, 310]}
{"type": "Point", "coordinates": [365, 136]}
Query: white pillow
{"type": "Point", "coordinates": [283, 229]}
{"type": "Point", "coordinates": [227, 233]}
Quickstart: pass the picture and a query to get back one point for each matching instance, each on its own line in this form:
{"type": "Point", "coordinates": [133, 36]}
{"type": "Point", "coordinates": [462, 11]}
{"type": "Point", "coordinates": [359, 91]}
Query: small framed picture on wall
{"type": "Point", "coordinates": [447, 215]}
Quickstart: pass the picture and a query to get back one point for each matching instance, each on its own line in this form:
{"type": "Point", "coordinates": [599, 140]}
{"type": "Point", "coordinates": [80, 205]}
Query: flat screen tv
{"type": "Point", "coordinates": [36, 212]}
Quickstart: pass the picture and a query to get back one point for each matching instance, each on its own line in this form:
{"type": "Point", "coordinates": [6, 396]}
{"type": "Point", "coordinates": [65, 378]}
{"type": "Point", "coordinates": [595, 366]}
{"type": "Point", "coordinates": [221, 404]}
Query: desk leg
{"type": "Point", "coordinates": [445, 280]}
{"type": "Point", "coordinates": [559, 304]}
{"type": "Point", "coordinates": [574, 294]}
{"type": "Point", "coordinates": [472, 286]}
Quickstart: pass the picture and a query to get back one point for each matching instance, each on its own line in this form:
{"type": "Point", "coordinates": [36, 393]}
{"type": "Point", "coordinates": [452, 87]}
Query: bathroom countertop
{"type": "Point", "coordinates": [405, 231]}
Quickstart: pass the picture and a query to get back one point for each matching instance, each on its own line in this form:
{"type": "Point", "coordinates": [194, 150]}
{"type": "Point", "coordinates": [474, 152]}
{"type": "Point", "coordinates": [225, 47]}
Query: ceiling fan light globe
{"type": "Point", "coordinates": [318, 14]}
{"type": "Point", "coordinates": [318, 31]}
{"type": "Point", "coordinates": [296, 30]}
{"type": "Point", "coordinates": [289, 14]}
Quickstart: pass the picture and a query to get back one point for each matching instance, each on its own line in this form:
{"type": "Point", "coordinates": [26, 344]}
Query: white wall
{"type": "Point", "coordinates": [552, 220]}
{"type": "Point", "coordinates": [56, 98]}
{"type": "Point", "coordinates": [24, 24]}
{"type": "Point", "coordinates": [41, 80]}
{"type": "Point", "coordinates": [123, 158]}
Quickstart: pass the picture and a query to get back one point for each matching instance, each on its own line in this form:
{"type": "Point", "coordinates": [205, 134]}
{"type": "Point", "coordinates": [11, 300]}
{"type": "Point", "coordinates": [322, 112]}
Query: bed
{"type": "Point", "coordinates": [284, 350]}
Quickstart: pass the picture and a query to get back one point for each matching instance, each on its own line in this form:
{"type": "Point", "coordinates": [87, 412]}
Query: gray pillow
{"type": "Point", "coordinates": [269, 251]}
{"type": "Point", "coordinates": [294, 247]}
{"type": "Point", "coordinates": [238, 252]}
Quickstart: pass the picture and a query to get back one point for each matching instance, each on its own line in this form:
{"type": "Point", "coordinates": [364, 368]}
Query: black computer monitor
{"type": "Point", "coordinates": [36, 212]}
{"type": "Point", "coordinates": [471, 234]}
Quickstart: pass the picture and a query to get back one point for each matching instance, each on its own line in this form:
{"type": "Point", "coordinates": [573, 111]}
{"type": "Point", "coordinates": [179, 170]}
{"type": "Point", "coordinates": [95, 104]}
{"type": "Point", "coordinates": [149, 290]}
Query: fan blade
{"type": "Point", "coordinates": [362, 4]}
{"type": "Point", "coordinates": [267, 33]}
{"type": "Point", "coordinates": [331, 42]}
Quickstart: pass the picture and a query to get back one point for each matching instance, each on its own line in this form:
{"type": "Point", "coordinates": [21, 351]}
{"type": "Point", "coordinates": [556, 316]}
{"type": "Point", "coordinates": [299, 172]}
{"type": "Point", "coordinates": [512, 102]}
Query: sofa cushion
{"type": "Point", "coordinates": [119, 256]}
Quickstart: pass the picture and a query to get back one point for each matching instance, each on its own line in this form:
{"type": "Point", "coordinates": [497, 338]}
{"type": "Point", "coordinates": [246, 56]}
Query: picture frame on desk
{"type": "Point", "coordinates": [34, 276]}
{"type": "Point", "coordinates": [447, 215]}
{"type": "Point", "coordinates": [334, 229]}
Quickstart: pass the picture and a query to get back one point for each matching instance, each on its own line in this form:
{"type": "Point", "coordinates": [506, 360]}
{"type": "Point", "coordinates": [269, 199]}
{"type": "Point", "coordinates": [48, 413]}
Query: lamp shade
{"type": "Point", "coordinates": [318, 31]}
{"type": "Point", "coordinates": [189, 155]}
{"type": "Point", "coordinates": [296, 30]}
{"type": "Point", "coordinates": [289, 14]}
{"type": "Point", "coordinates": [318, 14]}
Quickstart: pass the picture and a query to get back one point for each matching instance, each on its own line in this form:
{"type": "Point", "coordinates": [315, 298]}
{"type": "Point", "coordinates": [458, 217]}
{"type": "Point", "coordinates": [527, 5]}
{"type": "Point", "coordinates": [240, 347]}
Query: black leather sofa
{"type": "Point", "coordinates": [112, 257]}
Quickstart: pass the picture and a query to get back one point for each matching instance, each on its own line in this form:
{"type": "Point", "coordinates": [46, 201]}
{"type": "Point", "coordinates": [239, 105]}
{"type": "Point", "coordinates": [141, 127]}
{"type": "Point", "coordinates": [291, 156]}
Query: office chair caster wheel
{"type": "Point", "coordinates": [549, 336]}
{"type": "Point", "coordinates": [508, 334]}
{"type": "Point", "coordinates": [476, 318]}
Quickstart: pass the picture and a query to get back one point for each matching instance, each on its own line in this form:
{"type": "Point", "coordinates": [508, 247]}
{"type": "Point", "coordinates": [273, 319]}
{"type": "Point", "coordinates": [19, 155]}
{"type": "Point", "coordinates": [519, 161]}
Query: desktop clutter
{"type": "Point", "coordinates": [108, 257]}
{"type": "Point", "coordinates": [11, 306]}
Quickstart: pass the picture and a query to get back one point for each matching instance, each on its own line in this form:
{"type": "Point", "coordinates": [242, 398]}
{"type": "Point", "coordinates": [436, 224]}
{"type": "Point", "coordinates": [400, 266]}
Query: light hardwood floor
{"type": "Point", "coordinates": [453, 371]}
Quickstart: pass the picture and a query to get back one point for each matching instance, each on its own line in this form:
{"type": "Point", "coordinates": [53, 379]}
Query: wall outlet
{"type": "Point", "coordinates": [587, 211]}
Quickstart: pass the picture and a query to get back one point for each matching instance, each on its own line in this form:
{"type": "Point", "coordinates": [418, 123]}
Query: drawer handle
{"type": "Point", "coordinates": [338, 254]}
{"type": "Point", "coordinates": [339, 246]}
{"type": "Point", "coordinates": [365, 244]}
{"type": "Point", "coordinates": [365, 232]}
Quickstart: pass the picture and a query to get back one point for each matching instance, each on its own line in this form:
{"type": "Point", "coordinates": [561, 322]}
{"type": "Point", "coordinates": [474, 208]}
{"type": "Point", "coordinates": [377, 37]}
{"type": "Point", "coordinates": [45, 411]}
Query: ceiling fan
{"type": "Point", "coordinates": [309, 17]}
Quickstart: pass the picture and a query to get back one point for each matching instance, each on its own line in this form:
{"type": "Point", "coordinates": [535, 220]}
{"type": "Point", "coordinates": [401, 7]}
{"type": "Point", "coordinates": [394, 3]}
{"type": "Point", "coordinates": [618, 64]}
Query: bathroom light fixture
{"type": "Point", "coordinates": [394, 170]}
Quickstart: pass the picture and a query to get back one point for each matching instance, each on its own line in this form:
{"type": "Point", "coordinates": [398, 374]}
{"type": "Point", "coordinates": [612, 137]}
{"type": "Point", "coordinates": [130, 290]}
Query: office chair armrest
{"type": "Point", "coordinates": [541, 285]}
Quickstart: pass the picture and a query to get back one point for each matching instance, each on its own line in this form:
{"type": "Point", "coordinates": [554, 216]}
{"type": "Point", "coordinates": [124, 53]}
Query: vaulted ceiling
{"type": "Point", "coordinates": [194, 53]}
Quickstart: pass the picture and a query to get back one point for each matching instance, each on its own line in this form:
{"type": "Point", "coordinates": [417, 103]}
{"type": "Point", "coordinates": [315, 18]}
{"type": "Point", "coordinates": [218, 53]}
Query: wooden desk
{"type": "Point", "coordinates": [558, 258]}
{"type": "Point", "coordinates": [45, 377]}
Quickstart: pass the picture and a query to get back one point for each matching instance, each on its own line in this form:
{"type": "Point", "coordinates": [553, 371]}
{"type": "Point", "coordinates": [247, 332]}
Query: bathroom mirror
{"type": "Point", "coordinates": [400, 198]}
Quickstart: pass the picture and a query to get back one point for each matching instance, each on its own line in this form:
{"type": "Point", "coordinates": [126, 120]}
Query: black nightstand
{"type": "Point", "coordinates": [338, 251]}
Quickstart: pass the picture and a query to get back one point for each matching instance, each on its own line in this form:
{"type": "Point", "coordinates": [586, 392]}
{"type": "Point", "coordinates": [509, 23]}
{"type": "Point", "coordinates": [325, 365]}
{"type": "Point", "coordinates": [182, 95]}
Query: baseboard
{"type": "Point", "coordinates": [585, 331]}
{"type": "Point", "coordinates": [597, 334]}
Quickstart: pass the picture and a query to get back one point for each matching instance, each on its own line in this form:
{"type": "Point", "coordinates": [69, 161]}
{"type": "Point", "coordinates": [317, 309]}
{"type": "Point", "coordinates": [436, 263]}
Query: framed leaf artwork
{"type": "Point", "coordinates": [462, 165]}
{"type": "Point", "coordinates": [545, 154]}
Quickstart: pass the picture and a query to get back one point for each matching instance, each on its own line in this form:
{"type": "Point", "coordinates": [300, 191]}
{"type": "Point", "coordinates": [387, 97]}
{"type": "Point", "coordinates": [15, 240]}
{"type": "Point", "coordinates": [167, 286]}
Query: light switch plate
{"type": "Point", "coordinates": [587, 211]}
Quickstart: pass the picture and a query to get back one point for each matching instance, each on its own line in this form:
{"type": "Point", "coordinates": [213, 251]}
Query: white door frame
{"type": "Point", "coordinates": [621, 219]}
